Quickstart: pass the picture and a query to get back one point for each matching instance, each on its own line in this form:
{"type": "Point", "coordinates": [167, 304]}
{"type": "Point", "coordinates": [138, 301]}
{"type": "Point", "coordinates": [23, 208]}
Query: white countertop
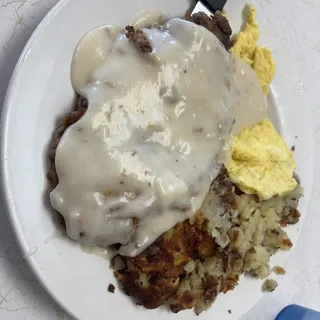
{"type": "Point", "coordinates": [22, 297]}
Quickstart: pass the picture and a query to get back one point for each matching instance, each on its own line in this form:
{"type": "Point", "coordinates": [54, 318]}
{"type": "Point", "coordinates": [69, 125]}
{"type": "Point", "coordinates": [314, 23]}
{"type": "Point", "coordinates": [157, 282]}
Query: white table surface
{"type": "Point", "coordinates": [22, 297]}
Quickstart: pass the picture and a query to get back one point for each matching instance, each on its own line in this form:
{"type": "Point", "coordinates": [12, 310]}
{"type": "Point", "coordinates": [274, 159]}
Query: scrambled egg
{"type": "Point", "coordinates": [246, 47]}
{"type": "Point", "coordinates": [264, 66]}
{"type": "Point", "coordinates": [247, 39]}
{"type": "Point", "coordinates": [261, 162]}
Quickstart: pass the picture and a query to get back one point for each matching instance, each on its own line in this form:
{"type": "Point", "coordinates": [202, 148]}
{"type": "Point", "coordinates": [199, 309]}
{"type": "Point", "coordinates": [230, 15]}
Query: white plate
{"type": "Point", "coordinates": [40, 92]}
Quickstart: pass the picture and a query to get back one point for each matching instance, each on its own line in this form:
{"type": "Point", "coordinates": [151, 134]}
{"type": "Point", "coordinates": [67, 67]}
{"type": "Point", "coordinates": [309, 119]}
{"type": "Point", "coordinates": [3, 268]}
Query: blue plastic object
{"type": "Point", "coordinates": [294, 312]}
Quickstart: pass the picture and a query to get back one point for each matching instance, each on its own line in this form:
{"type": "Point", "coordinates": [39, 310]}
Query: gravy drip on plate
{"type": "Point", "coordinates": [143, 156]}
{"type": "Point", "coordinates": [249, 103]}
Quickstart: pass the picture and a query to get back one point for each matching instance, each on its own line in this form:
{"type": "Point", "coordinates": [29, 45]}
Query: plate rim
{"type": "Point", "coordinates": [5, 189]}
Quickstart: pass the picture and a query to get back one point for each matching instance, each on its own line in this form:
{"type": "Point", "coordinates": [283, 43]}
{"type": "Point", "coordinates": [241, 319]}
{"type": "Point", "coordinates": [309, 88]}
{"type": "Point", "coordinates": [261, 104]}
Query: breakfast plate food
{"type": "Point", "coordinates": [145, 152]}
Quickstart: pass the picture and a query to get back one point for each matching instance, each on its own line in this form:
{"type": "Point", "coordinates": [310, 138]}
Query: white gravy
{"type": "Point", "coordinates": [249, 103]}
{"type": "Point", "coordinates": [147, 19]}
{"type": "Point", "coordinates": [143, 156]}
